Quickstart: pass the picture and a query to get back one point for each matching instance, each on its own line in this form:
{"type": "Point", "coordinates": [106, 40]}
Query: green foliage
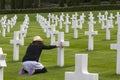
{"type": "Point", "coordinates": [13, 4]}
{"type": "Point", "coordinates": [113, 1]}
{"type": "Point", "coordinates": [61, 3]}
{"type": "Point", "coordinates": [2, 4]}
{"type": "Point", "coordinates": [95, 2]}
{"type": "Point", "coordinates": [27, 4]}
{"type": "Point", "coordinates": [63, 9]}
{"type": "Point", "coordinates": [18, 4]}
{"type": "Point", "coordinates": [73, 2]}
{"type": "Point", "coordinates": [35, 3]}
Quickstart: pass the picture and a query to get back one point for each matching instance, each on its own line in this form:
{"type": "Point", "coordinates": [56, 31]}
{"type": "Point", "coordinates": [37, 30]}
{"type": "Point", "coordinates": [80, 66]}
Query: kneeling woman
{"type": "Point", "coordinates": [30, 62]}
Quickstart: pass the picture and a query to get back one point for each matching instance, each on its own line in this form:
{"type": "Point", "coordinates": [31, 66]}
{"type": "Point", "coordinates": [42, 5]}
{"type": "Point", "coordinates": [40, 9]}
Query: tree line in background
{"type": "Point", "coordinates": [23, 4]}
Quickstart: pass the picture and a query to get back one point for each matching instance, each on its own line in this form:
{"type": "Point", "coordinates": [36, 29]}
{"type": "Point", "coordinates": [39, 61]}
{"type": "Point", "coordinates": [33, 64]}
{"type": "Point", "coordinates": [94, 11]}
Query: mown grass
{"type": "Point", "coordinates": [101, 60]}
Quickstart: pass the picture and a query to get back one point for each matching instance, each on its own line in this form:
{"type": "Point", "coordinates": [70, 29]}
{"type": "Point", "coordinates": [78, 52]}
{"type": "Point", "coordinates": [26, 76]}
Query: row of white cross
{"type": "Point", "coordinates": [7, 24]}
{"type": "Point", "coordinates": [51, 32]}
{"type": "Point", "coordinates": [2, 63]}
{"type": "Point", "coordinates": [81, 72]}
{"type": "Point", "coordinates": [19, 38]}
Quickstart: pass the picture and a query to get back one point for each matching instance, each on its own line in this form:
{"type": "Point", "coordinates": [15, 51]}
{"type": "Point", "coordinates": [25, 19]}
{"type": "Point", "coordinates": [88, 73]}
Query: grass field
{"type": "Point", "coordinates": [102, 59]}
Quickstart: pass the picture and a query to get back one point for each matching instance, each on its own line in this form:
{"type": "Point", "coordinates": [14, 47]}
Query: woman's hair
{"type": "Point", "coordinates": [37, 42]}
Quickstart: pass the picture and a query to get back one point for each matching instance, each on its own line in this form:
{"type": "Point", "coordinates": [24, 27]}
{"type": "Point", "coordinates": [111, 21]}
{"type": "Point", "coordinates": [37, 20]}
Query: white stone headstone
{"type": "Point", "coordinates": [103, 21]}
{"type": "Point", "coordinates": [111, 17]}
{"type": "Point", "coordinates": [60, 56]}
{"type": "Point", "coordinates": [16, 42]}
{"type": "Point", "coordinates": [61, 20]}
{"type": "Point", "coordinates": [2, 63]}
{"type": "Point", "coordinates": [53, 33]}
{"type": "Point", "coordinates": [75, 26]}
{"type": "Point", "coordinates": [117, 47]}
{"type": "Point", "coordinates": [118, 30]}
{"type": "Point", "coordinates": [99, 17]}
{"type": "Point", "coordinates": [67, 23]}
{"type": "Point", "coordinates": [81, 70]}
{"type": "Point", "coordinates": [81, 20]}
{"type": "Point", "coordinates": [56, 20]}
{"type": "Point", "coordinates": [8, 26]}
{"type": "Point", "coordinates": [107, 27]}
{"type": "Point", "coordinates": [117, 16]}
{"type": "Point", "coordinates": [4, 29]}
{"type": "Point", "coordinates": [91, 34]}
{"type": "Point", "coordinates": [106, 15]}
{"type": "Point", "coordinates": [49, 17]}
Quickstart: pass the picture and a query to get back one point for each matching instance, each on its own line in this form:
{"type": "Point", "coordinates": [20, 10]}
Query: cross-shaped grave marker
{"type": "Point", "coordinates": [81, 20]}
{"type": "Point", "coordinates": [67, 23]}
{"type": "Point", "coordinates": [81, 71]}
{"type": "Point", "coordinates": [8, 25]}
{"type": "Point", "coordinates": [53, 32]}
{"type": "Point", "coordinates": [117, 16]}
{"type": "Point", "coordinates": [111, 17]}
{"type": "Point", "coordinates": [99, 17]}
{"type": "Point", "coordinates": [117, 47]}
{"type": "Point", "coordinates": [3, 29]}
{"type": "Point", "coordinates": [61, 19]}
{"type": "Point", "coordinates": [107, 27]}
{"type": "Point", "coordinates": [90, 33]}
{"type": "Point", "coordinates": [2, 63]}
{"type": "Point", "coordinates": [75, 26]}
{"type": "Point", "coordinates": [118, 24]}
{"type": "Point", "coordinates": [60, 56]}
{"type": "Point", "coordinates": [16, 42]}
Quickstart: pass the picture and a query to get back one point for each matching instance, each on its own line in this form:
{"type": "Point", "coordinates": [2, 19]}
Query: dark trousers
{"type": "Point", "coordinates": [44, 70]}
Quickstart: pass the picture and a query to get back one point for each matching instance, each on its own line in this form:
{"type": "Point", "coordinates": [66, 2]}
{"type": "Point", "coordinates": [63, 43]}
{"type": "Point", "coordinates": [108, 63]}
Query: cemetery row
{"type": "Point", "coordinates": [49, 26]}
{"type": "Point", "coordinates": [18, 39]}
{"type": "Point", "coordinates": [7, 24]}
{"type": "Point", "coordinates": [52, 22]}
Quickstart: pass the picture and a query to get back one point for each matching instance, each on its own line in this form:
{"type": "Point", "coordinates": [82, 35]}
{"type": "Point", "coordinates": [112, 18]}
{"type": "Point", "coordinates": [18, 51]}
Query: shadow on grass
{"type": "Point", "coordinates": [57, 67]}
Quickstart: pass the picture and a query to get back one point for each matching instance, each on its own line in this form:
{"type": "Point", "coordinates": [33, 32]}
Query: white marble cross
{"type": "Point", "coordinates": [117, 47]}
{"type": "Point", "coordinates": [75, 26]}
{"type": "Point", "coordinates": [60, 56]}
{"type": "Point", "coordinates": [67, 23]}
{"type": "Point", "coordinates": [16, 42]}
{"type": "Point", "coordinates": [90, 34]}
{"type": "Point", "coordinates": [81, 71]}
{"type": "Point", "coordinates": [3, 29]}
{"type": "Point", "coordinates": [81, 20]}
{"type": "Point", "coordinates": [61, 20]}
{"type": "Point", "coordinates": [118, 22]}
{"type": "Point", "coordinates": [56, 20]}
{"type": "Point", "coordinates": [48, 29]}
{"type": "Point", "coordinates": [8, 26]}
{"type": "Point", "coordinates": [111, 17]}
{"type": "Point", "coordinates": [103, 21]}
{"type": "Point", "coordinates": [22, 32]}
{"type": "Point", "coordinates": [106, 15]}
{"type": "Point", "coordinates": [49, 17]}
{"type": "Point", "coordinates": [2, 63]}
{"type": "Point", "coordinates": [99, 17]}
{"type": "Point", "coordinates": [53, 32]}
{"type": "Point", "coordinates": [107, 27]}
{"type": "Point", "coordinates": [76, 14]}
{"type": "Point", "coordinates": [53, 18]}
{"type": "Point", "coordinates": [117, 16]}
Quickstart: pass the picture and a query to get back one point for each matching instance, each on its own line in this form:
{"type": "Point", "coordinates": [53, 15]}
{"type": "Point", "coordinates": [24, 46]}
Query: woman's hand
{"type": "Point", "coordinates": [59, 44]}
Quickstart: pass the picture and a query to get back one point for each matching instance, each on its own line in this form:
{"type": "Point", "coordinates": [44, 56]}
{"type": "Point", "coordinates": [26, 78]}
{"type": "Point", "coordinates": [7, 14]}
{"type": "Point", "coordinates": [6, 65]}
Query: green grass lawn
{"type": "Point", "coordinates": [102, 59]}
